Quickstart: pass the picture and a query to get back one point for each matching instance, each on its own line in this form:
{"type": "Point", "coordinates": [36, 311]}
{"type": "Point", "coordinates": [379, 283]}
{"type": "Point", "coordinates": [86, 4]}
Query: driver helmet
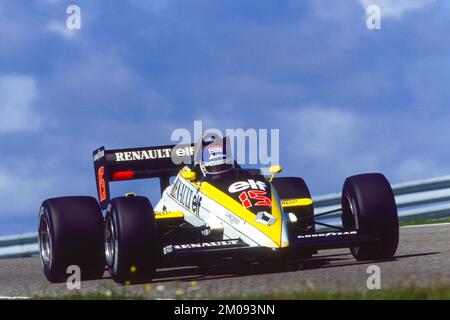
{"type": "Point", "coordinates": [216, 160]}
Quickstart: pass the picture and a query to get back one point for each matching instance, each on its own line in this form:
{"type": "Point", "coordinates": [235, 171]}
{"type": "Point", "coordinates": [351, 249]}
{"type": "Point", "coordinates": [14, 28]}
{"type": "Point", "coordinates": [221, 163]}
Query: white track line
{"type": "Point", "coordinates": [428, 225]}
{"type": "Point", "coordinates": [14, 298]}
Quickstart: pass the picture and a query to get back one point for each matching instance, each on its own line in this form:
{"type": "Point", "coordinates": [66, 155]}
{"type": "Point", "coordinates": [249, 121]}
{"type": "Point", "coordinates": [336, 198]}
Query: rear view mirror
{"type": "Point", "coordinates": [274, 170]}
{"type": "Point", "coordinates": [189, 175]}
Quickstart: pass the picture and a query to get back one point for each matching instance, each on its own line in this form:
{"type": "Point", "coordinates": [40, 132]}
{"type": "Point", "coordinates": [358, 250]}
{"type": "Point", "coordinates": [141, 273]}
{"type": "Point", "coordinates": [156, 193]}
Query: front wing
{"type": "Point", "coordinates": [237, 247]}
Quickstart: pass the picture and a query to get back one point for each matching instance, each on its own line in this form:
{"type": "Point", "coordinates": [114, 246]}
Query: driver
{"type": "Point", "coordinates": [215, 161]}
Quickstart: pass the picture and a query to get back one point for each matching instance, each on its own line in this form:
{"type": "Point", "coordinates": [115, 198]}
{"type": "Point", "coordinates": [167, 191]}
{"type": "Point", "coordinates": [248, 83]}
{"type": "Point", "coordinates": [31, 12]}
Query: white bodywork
{"type": "Point", "coordinates": [223, 223]}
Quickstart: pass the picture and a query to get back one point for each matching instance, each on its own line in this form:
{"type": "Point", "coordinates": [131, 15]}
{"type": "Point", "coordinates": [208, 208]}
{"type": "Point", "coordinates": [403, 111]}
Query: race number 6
{"type": "Point", "coordinates": [101, 184]}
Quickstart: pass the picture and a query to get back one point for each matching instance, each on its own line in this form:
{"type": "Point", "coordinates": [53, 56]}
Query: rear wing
{"type": "Point", "coordinates": [160, 162]}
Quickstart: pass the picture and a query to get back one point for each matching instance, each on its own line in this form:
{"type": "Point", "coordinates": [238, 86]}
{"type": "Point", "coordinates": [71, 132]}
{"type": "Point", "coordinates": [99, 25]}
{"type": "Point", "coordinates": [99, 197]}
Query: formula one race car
{"type": "Point", "coordinates": [211, 209]}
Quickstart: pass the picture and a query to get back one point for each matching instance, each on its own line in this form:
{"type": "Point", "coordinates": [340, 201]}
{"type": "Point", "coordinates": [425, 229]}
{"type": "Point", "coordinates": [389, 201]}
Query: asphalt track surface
{"type": "Point", "coordinates": [423, 259]}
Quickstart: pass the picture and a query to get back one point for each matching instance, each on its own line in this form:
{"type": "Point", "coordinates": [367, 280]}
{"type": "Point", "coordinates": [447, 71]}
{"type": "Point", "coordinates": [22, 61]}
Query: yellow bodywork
{"type": "Point", "coordinates": [272, 231]}
{"type": "Point", "coordinates": [286, 203]}
{"type": "Point", "coordinates": [169, 215]}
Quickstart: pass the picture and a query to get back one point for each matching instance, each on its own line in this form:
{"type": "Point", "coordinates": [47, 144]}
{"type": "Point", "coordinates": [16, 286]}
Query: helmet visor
{"type": "Point", "coordinates": [219, 168]}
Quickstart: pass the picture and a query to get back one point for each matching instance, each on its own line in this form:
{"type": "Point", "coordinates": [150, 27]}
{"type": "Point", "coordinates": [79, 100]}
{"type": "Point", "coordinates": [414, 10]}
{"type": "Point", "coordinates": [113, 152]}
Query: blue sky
{"type": "Point", "coordinates": [346, 99]}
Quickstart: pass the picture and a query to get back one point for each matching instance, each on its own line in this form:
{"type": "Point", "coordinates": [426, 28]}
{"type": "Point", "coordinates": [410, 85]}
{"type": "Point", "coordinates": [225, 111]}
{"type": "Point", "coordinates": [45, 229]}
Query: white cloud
{"type": "Point", "coordinates": [395, 8]}
{"type": "Point", "coordinates": [21, 194]}
{"type": "Point", "coordinates": [417, 168]}
{"type": "Point", "coordinates": [331, 143]}
{"type": "Point", "coordinates": [60, 28]}
{"type": "Point", "coordinates": [18, 93]}
{"type": "Point", "coordinates": [325, 145]}
{"type": "Point", "coordinates": [25, 183]}
{"type": "Point", "coordinates": [324, 132]}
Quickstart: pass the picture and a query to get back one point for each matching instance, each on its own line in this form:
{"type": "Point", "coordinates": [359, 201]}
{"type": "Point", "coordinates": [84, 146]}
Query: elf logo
{"type": "Point", "coordinates": [249, 184]}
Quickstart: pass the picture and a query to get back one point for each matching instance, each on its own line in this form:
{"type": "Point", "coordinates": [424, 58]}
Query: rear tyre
{"type": "Point", "coordinates": [295, 188]}
{"type": "Point", "coordinates": [130, 240]}
{"type": "Point", "coordinates": [70, 232]}
{"type": "Point", "coordinates": [369, 206]}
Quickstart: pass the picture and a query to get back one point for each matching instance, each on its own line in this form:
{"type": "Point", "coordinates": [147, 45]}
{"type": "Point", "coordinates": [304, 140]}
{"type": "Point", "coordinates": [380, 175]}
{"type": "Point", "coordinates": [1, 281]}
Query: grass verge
{"type": "Point", "coordinates": [423, 221]}
{"type": "Point", "coordinates": [407, 293]}
{"type": "Point", "coordinates": [436, 292]}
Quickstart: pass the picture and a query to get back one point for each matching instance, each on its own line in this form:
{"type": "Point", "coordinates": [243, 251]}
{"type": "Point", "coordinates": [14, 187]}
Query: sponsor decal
{"type": "Point", "coordinates": [168, 214]}
{"type": "Point", "coordinates": [143, 154]}
{"type": "Point", "coordinates": [102, 193]}
{"type": "Point", "coordinates": [196, 204]}
{"type": "Point", "coordinates": [152, 154]}
{"type": "Point", "coordinates": [258, 195]}
{"type": "Point", "coordinates": [232, 219]}
{"type": "Point", "coordinates": [186, 151]}
{"type": "Point", "coordinates": [184, 194]}
{"type": "Point", "coordinates": [212, 244]}
{"type": "Point", "coordinates": [265, 218]}
{"type": "Point", "coordinates": [162, 213]}
{"type": "Point", "coordinates": [249, 184]}
{"type": "Point", "coordinates": [296, 202]}
{"type": "Point", "coordinates": [100, 154]}
{"type": "Point", "coordinates": [214, 163]}
{"type": "Point", "coordinates": [215, 152]}
{"type": "Point", "coordinates": [168, 249]}
{"type": "Point", "coordinates": [327, 234]}
{"type": "Point", "coordinates": [258, 192]}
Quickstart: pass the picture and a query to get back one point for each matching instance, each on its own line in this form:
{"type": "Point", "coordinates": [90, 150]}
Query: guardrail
{"type": "Point", "coordinates": [418, 199]}
{"type": "Point", "coordinates": [22, 245]}
{"type": "Point", "coordinates": [415, 200]}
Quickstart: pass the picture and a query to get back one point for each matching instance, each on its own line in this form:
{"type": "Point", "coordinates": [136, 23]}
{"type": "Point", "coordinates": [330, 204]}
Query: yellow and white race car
{"type": "Point", "coordinates": [202, 217]}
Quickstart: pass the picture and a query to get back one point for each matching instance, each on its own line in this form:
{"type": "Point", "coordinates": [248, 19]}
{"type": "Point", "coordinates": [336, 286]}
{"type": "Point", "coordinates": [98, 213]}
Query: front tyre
{"type": "Point", "coordinates": [130, 240]}
{"type": "Point", "coordinates": [369, 206]}
{"type": "Point", "coordinates": [296, 188]}
{"type": "Point", "coordinates": [70, 232]}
